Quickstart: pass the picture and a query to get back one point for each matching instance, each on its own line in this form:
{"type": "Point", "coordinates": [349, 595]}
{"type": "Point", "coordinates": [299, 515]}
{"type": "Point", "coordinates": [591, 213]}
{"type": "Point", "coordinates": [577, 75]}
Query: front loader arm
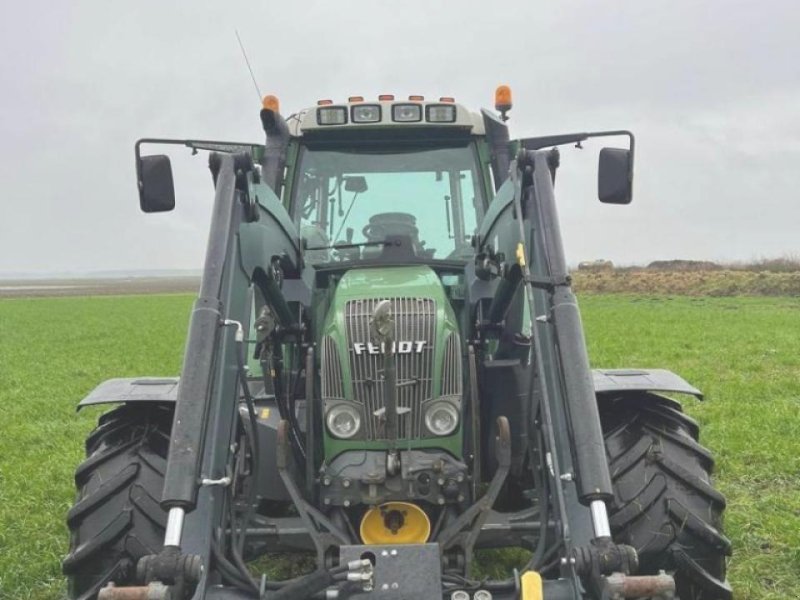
{"type": "Point", "coordinates": [521, 233]}
{"type": "Point", "coordinates": [244, 249]}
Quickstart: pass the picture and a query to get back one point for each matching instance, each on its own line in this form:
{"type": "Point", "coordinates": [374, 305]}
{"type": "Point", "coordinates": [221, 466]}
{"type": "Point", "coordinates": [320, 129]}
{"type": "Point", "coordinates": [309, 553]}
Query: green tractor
{"type": "Point", "coordinates": [386, 371]}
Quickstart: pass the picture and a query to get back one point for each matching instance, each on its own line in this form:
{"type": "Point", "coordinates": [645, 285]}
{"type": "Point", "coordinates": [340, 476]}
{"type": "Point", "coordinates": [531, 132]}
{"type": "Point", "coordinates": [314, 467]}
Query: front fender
{"type": "Point", "coordinates": [642, 380]}
{"type": "Point", "coordinates": [138, 389]}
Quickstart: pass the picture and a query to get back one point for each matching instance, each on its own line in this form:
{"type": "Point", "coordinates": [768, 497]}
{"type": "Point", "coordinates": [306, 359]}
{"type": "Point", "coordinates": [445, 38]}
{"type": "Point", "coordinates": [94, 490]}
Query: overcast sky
{"type": "Point", "coordinates": [711, 89]}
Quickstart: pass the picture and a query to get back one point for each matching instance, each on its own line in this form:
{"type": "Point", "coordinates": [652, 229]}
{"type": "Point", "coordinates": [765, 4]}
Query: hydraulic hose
{"type": "Point", "coordinates": [254, 444]}
{"type": "Point", "coordinates": [308, 586]}
{"type": "Point", "coordinates": [285, 412]}
{"type": "Point", "coordinates": [231, 572]}
{"type": "Point", "coordinates": [305, 587]}
{"type": "Point", "coordinates": [541, 543]}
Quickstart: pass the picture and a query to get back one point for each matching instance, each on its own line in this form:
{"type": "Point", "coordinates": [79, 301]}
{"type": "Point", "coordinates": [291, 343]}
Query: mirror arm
{"type": "Point", "coordinates": [195, 145]}
{"type": "Point", "coordinates": [537, 143]}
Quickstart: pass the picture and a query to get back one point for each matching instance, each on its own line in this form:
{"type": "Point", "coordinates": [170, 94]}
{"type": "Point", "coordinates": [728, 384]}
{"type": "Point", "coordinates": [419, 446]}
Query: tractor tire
{"type": "Point", "coordinates": [664, 503]}
{"type": "Point", "coordinates": [116, 518]}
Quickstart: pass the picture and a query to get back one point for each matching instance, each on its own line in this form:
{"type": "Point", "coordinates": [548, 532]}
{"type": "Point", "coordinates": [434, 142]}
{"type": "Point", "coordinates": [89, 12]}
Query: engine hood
{"type": "Point", "coordinates": [387, 282]}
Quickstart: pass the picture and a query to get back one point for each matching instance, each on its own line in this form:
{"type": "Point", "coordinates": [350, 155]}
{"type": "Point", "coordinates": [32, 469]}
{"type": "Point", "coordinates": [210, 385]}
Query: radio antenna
{"type": "Point", "coordinates": [247, 62]}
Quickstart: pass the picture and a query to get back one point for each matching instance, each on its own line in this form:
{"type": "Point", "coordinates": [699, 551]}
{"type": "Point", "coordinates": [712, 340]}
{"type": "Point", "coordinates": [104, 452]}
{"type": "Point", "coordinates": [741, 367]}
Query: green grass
{"type": "Point", "coordinates": [53, 351]}
{"type": "Point", "coordinates": [743, 352]}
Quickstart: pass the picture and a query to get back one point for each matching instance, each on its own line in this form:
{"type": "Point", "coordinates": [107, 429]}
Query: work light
{"type": "Point", "coordinates": [366, 113]}
{"type": "Point", "coordinates": [406, 113]}
{"type": "Point", "coordinates": [332, 115]}
{"type": "Point", "coordinates": [440, 113]}
{"type": "Point", "coordinates": [441, 418]}
{"type": "Point", "coordinates": [343, 421]}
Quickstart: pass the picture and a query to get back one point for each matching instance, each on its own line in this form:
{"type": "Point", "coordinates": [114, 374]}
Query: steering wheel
{"type": "Point", "coordinates": [391, 223]}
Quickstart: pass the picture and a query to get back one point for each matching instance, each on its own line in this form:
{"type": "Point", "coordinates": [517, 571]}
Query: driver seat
{"type": "Point", "coordinates": [398, 248]}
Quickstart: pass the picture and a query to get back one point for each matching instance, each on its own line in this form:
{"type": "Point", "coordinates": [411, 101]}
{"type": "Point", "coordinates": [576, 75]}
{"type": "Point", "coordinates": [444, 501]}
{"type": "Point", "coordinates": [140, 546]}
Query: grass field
{"type": "Point", "coordinates": [743, 352]}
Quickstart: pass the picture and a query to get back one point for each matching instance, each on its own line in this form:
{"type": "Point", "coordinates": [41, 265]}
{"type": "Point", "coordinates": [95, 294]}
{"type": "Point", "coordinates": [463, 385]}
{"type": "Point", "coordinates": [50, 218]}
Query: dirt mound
{"type": "Point", "coordinates": [688, 283]}
{"type": "Point", "coordinates": [684, 265]}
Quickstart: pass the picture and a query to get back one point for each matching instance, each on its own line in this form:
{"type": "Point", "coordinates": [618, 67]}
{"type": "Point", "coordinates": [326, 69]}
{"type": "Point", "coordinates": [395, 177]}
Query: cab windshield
{"type": "Point", "coordinates": [362, 204]}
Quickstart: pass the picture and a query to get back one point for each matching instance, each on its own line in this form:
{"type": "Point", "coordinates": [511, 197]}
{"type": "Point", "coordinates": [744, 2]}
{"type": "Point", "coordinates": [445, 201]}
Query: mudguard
{"type": "Point", "coordinates": [642, 380]}
{"type": "Point", "coordinates": [165, 389]}
{"type": "Point", "coordinates": [138, 389]}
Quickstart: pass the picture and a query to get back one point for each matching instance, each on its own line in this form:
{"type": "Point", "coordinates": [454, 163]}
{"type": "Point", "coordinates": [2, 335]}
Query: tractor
{"type": "Point", "coordinates": [385, 376]}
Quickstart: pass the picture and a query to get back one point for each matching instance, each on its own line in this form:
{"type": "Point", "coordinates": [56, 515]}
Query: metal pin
{"type": "Point", "coordinates": [223, 482]}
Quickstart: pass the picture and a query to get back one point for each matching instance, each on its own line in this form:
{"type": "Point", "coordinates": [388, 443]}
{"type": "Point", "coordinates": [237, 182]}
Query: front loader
{"type": "Point", "coordinates": [385, 373]}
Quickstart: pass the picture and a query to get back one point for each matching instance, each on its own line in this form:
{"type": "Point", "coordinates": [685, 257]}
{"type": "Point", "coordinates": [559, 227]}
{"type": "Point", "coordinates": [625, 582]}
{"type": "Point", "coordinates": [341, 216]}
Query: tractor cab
{"type": "Point", "coordinates": [387, 182]}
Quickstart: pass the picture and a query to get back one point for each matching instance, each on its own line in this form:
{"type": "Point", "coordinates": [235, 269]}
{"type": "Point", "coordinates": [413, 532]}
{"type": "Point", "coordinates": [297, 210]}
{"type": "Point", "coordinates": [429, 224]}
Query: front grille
{"type": "Point", "coordinates": [331, 376]}
{"type": "Point", "coordinates": [415, 321]}
{"type": "Point", "coordinates": [451, 366]}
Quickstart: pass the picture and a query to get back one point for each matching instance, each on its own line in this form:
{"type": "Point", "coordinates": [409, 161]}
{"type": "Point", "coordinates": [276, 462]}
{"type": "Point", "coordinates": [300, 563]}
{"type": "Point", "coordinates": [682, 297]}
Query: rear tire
{"type": "Point", "coordinates": [116, 518]}
{"type": "Point", "coordinates": [664, 503]}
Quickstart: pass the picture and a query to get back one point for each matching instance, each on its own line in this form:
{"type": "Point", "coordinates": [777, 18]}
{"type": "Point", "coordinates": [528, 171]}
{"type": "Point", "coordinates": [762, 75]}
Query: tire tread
{"type": "Point", "coordinates": [116, 517]}
{"type": "Point", "coordinates": [665, 505]}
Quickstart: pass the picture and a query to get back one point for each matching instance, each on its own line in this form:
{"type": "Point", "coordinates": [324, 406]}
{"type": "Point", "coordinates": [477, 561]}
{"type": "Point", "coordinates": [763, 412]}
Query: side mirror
{"type": "Point", "coordinates": [156, 188]}
{"type": "Point", "coordinates": [355, 183]}
{"type": "Point", "coordinates": [615, 176]}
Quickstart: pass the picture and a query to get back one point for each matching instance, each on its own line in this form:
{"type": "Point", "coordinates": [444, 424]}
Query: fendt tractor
{"type": "Point", "coordinates": [386, 377]}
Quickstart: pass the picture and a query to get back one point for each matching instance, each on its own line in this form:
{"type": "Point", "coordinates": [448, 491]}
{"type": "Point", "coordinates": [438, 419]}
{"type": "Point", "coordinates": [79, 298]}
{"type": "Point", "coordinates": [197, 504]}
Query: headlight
{"type": "Point", "coordinates": [366, 113]}
{"type": "Point", "coordinates": [440, 113]}
{"type": "Point", "coordinates": [343, 421]}
{"type": "Point", "coordinates": [406, 113]}
{"type": "Point", "coordinates": [332, 115]}
{"type": "Point", "coordinates": [441, 418]}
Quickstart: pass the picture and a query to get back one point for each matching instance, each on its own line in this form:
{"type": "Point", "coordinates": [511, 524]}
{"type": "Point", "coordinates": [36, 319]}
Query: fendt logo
{"type": "Point", "coordinates": [415, 347]}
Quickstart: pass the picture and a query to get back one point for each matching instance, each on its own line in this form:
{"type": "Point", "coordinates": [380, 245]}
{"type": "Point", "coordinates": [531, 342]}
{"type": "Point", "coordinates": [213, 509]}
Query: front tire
{"type": "Point", "coordinates": [116, 518]}
{"type": "Point", "coordinates": [665, 505]}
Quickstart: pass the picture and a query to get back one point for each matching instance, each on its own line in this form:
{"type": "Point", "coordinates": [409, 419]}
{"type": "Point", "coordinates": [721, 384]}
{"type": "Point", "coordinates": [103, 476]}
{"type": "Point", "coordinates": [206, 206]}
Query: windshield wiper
{"type": "Point", "coordinates": [355, 245]}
